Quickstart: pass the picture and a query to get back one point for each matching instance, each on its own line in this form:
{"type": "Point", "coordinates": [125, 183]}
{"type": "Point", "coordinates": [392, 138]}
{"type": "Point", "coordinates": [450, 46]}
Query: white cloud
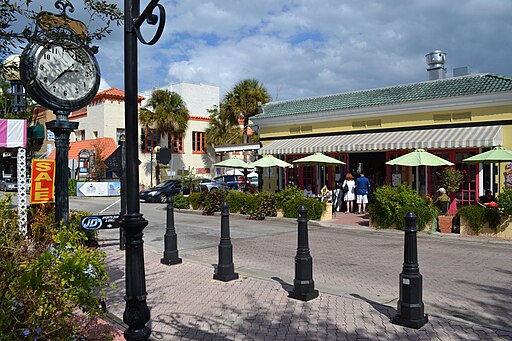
{"type": "Point", "coordinates": [307, 48]}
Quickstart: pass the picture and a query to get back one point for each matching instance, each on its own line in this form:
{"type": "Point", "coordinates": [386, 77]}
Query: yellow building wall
{"type": "Point", "coordinates": [494, 114]}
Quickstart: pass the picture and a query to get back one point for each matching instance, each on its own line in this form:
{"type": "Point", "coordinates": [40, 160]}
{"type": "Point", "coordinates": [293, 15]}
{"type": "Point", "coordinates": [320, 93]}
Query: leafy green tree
{"type": "Point", "coordinates": [222, 129]}
{"type": "Point", "coordinates": [98, 169]}
{"type": "Point", "coordinates": [242, 102]}
{"type": "Point", "coordinates": [166, 112]}
{"type": "Point", "coordinates": [16, 22]}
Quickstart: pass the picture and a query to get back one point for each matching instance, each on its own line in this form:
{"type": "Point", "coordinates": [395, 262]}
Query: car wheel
{"type": "Point", "coordinates": [213, 189]}
{"type": "Point", "coordinates": [162, 198]}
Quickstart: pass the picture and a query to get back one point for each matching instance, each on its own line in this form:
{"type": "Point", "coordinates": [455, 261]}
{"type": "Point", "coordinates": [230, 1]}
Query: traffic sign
{"type": "Point", "coordinates": [100, 222]}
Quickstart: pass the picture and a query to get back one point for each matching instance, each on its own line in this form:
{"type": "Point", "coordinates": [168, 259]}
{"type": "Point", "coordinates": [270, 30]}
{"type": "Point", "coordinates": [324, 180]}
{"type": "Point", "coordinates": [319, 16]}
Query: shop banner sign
{"type": "Point", "coordinates": [43, 176]}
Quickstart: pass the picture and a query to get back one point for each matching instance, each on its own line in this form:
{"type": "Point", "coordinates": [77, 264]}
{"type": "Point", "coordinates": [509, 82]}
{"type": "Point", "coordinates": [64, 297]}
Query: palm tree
{"type": "Point", "coordinates": [168, 115]}
{"type": "Point", "coordinates": [222, 129]}
{"type": "Point", "coordinates": [242, 101]}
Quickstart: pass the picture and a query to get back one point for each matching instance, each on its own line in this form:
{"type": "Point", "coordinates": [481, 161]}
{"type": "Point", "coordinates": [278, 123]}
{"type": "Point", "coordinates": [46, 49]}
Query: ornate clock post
{"type": "Point", "coordinates": [60, 73]}
{"type": "Point", "coordinates": [62, 128]}
{"type": "Point", "coordinates": [136, 314]}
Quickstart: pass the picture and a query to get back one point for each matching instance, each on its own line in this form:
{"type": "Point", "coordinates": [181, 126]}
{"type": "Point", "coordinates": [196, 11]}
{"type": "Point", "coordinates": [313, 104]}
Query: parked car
{"type": "Point", "coordinates": [9, 184]}
{"type": "Point", "coordinates": [205, 185]}
{"type": "Point", "coordinates": [161, 192]}
{"type": "Point", "coordinates": [230, 180]}
{"type": "Point", "coordinates": [254, 181]}
{"type": "Point", "coordinates": [212, 184]}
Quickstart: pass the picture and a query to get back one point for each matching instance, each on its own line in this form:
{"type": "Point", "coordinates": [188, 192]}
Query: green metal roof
{"type": "Point", "coordinates": [479, 84]}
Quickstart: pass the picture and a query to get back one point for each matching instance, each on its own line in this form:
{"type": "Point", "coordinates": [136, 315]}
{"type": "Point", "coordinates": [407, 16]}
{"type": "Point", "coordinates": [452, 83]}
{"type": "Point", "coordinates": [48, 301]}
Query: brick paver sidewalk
{"type": "Point", "coordinates": [187, 304]}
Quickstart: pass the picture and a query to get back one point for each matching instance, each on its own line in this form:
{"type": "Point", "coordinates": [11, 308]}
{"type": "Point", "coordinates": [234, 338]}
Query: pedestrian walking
{"type": "Point", "coordinates": [362, 187]}
{"type": "Point", "coordinates": [349, 192]}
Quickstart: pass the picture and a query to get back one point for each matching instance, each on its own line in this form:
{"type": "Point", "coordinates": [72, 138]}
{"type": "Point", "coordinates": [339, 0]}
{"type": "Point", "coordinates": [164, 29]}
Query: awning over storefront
{"type": "Point", "coordinates": [448, 138]}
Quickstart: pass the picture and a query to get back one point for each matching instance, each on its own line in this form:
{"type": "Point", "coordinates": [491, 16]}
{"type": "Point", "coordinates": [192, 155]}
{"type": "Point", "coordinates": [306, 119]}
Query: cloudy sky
{"type": "Point", "coordinates": [308, 47]}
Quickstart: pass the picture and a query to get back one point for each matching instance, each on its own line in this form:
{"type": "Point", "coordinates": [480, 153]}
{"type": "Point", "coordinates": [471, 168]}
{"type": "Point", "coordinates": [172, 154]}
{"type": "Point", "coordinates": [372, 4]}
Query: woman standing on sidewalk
{"type": "Point", "coordinates": [348, 188]}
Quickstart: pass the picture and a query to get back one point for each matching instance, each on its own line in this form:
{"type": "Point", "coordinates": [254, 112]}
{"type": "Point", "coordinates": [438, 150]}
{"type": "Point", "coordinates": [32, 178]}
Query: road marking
{"type": "Point", "coordinates": [109, 206]}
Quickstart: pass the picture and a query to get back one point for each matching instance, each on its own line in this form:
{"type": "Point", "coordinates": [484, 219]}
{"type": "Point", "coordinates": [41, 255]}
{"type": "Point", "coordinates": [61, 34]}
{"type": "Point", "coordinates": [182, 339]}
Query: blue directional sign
{"type": "Point", "coordinates": [100, 222]}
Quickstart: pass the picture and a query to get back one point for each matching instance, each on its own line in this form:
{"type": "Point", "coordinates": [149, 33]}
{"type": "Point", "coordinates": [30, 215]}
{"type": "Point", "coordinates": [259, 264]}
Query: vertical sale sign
{"type": "Point", "coordinates": [43, 176]}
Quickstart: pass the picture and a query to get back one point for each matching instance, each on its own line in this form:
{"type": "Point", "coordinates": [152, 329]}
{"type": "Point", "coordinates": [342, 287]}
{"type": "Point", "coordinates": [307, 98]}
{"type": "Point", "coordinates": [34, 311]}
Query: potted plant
{"type": "Point", "coordinates": [451, 180]}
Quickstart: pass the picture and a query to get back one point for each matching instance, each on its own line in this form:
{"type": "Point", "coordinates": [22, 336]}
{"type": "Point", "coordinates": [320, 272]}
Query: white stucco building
{"type": "Point", "coordinates": [104, 118]}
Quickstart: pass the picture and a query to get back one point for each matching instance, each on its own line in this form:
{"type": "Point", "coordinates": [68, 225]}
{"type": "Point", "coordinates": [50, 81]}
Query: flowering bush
{"type": "Point", "coordinates": [46, 278]}
{"type": "Point", "coordinates": [451, 179]}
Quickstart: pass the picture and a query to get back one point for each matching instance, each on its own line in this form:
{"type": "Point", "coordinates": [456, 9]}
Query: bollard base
{"type": "Point", "coordinates": [303, 296]}
{"type": "Point", "coordinates": [416, 324]}
{"type": "Point", "coordinates": [137, 334]}
{"type": "Point", "coordinates": [171, 260]}
{"type": "Point", "coordinates": [226, 278]}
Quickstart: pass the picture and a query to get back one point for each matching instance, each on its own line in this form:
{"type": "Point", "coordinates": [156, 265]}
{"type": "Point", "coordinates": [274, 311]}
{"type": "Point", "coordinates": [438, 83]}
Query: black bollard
{"type": "Point", "coordinates": [410, 304]}
{"type": "Point", "coordinates": [225, 269]}
{"type": "Point", "coordinates": [170, 238]}
{"type": "Point", "coordinates": [303, 284]}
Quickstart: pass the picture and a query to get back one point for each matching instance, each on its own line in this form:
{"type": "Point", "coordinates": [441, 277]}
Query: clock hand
{"type": "Point", "coordinates": [63, 73]}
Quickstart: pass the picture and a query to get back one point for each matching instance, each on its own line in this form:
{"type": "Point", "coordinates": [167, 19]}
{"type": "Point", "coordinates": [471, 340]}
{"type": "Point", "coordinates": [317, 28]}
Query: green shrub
{"type": "Point", "coordinates": [72, 187]}
{"type": "Point", "coordinates": [180, 201]}
{"type": "Point", "coordinates": [493, 217]}
{"type": "Point", "coordinates": [286, 195]}
{"type": "Point", "coordinates": [248, 203]}
{"type": "Point", "coordinates": [474, 215]}
{"type": "Point", "coordinates": [236, 201]}
{"type": "Point", "coordinates": [195, 200]}
{"type": "Point", "coordinates": [314, 207]}
{"type": "Point", "coordinates": [505, 201]}
{"type": "Point", "coordinates": [214, 201]}
{"type": "Point", "coordinates": [392, 203]}
{"type": "Point", "coordinates": [263, 205]}
{"type": "Point", "coordinates": [45, 276]}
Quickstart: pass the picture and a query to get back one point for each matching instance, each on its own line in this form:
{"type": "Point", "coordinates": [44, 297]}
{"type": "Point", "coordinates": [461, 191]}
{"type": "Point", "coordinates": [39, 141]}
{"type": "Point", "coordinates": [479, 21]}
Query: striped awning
{"type": "Point", "coordinates": [448, 138]}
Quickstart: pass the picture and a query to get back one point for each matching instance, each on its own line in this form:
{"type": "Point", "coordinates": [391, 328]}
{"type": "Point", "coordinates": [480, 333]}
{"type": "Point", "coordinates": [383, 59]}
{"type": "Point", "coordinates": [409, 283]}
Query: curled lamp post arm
{"type": "Point", "coordinates": [152, 19]}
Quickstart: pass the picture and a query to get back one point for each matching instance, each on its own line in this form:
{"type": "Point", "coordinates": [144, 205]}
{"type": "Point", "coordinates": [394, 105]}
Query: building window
{"type": "Point", "coordinates": [79, 135]}
{"type": "Point", "coordinates": [149, 139]}
{"type": "Point", "coordinates": [198, 142]}
{"type": "Point", "coordinates": [95, 134]}
{"type": "Point", "coordinates": [119, 133]}
{"type": "Point", "coordinates": [176, 143]}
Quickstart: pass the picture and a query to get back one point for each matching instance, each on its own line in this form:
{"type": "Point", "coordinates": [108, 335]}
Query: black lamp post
{"type": "Point", "coordinates": [62, 127]}
{"type": "Point", "coordinates": [136, 314]}
{"type": "Point", "coordinates": [122, 178]}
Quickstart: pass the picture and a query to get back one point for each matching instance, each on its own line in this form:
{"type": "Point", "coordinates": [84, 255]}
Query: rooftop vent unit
{"type": "Point", "coordinates": [435, 61]}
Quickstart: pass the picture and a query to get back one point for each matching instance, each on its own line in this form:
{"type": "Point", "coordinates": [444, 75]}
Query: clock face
{"type": "Point", "coordinates": [67, 74]}
{"type": "Point", "coordinates": [60, 78]}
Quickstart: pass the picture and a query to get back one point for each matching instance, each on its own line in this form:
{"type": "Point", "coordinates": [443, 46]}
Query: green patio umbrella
{"type": "Point", "coordinates": [268, 161]}
{"type": "Point", "coordinates": [319, 159]}
{"type": "Point", "coordinates": [419, 157]}
{"type": "Point", "coordinates": [233, 163]}
{"type": "Point", "coordinates": [496, 155]}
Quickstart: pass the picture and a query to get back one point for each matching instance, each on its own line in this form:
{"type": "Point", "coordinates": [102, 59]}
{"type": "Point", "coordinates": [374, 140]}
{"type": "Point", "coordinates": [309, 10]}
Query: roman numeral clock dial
{"type": "Point", "coordinates": [60, 77]}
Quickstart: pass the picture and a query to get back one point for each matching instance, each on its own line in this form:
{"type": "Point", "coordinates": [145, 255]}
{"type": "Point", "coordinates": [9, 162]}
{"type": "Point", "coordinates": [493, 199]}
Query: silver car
{"type": "Point", "coordinates": [212, 184]}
